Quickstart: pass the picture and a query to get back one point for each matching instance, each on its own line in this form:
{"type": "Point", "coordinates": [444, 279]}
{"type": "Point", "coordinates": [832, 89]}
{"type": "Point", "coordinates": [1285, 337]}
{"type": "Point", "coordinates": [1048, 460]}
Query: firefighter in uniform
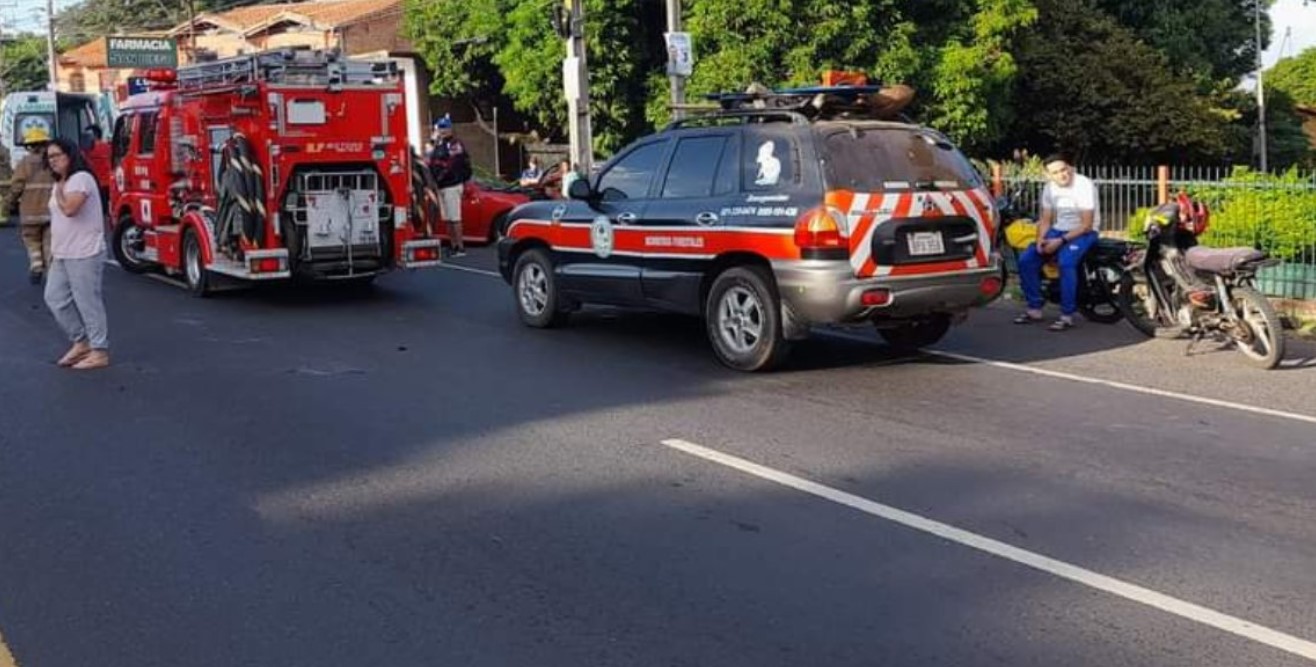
{"type": "Point", "coordinates": [29, 189]}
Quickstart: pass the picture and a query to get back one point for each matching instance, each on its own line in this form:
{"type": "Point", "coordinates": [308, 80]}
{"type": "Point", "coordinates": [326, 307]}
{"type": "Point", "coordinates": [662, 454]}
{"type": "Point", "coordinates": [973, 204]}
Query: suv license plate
{"type": "Point", "coordinates": [926, 243]}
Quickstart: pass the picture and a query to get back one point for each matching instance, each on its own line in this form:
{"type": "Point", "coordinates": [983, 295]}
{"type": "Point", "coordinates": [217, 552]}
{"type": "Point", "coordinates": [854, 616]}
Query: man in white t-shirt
{"type": "Point", "coordinates": [1067, 229]}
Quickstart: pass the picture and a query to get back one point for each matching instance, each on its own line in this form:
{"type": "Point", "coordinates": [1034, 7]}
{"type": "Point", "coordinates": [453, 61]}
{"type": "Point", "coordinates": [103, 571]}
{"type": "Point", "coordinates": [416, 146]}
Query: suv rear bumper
{"type": "Point", "coordinates": [827, 292]}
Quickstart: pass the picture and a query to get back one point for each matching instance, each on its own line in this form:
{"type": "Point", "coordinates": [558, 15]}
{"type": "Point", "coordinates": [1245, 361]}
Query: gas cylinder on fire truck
{"type": "Point", "coordinates": [274, 165]}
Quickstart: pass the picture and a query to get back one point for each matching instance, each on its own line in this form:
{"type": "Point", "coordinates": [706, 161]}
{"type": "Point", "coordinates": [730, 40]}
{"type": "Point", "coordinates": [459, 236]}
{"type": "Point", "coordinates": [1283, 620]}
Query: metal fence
{"type": "Point", "coordinates": [1275, 212]}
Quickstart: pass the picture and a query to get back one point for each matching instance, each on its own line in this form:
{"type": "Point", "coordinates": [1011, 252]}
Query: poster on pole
{"type": "Point", "coordinates": [680, 54]}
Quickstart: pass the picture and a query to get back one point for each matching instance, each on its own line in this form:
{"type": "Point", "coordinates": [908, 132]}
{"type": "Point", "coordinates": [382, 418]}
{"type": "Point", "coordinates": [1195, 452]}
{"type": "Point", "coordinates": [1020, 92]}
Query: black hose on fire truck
{"type": "Point", "coordinates": [424, 196]}
{"type": "Point", "coordinates": [240, 221]}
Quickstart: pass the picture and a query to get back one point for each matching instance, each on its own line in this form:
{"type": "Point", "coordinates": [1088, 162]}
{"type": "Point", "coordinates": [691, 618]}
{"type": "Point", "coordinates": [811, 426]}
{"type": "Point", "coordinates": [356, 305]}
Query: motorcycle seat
{"type": "Point", "coordinates": [1221, 260]}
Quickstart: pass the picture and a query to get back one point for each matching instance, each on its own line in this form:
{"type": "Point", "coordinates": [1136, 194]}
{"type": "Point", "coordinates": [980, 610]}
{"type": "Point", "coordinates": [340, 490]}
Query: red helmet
{"type": "Point", "coordinates": [1194, 216]}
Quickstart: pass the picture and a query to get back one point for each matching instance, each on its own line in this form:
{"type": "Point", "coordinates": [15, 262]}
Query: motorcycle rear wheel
{"type": "Point", "coordinates": [1141, 308]}
{"type": "Point", "coordinates": [1263, 341]}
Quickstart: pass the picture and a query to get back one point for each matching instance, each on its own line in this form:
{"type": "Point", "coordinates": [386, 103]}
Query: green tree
{"type": "Point", "coordinates": [1091, 87]}
{"type": "Point", "coordinates": [1212, 39]}
{"type": "Point", "coordinates": [490, 47]}
{"type": "Point", "coordinates": [954, 52]}
{"type": "Point", "coordinates": [23, 63]}
{"type": "Point", "coordinates": [1295, 77]}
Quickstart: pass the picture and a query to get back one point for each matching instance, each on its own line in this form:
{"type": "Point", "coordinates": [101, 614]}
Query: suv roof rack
{"type": "Point", "coordinates": [288, 66]}
{"type": "Point", "coordinates": [803, 105]}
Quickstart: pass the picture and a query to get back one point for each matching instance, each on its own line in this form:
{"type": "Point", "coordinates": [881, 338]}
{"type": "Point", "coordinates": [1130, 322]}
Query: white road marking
{"type": "Point", "coordinates": [469, 269]}
{"type": "Point", "coordinates": [1024, 368]}
{"type": "Point", "coordinates": [1192, 398]}
{"type": "Point", "coordinates": [1133, 592]}
{"type": "Point", "coordinates": [1113, 384]}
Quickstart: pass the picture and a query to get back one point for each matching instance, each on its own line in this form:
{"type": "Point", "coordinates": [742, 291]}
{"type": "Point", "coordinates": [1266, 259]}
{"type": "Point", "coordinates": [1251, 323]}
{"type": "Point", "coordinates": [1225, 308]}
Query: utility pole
{"type": "Point", "coordinates": [678, 81]}
{"type": "Point", "coordinates": [1261, 87]}
{"type": "Point", "coordinates": [575, 78]}
{"type": "Point", "coordinates": [50, 44]}
{"type": "Point", "coordinates": [191, 31]}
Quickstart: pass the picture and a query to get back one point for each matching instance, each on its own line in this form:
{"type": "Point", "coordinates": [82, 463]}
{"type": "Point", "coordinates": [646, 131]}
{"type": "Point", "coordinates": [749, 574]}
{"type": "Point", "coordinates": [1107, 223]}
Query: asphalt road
{"type": "Point", "coordinates": [410, 477]}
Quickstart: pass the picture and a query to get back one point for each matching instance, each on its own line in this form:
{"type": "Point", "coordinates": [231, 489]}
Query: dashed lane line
{"type": "Point", "coordinates": [1145, 596]}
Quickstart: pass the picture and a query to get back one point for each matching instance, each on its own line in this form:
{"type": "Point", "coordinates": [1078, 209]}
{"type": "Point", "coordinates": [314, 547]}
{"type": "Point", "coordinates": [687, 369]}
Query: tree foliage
{"type": "Point", "coordinates": [1295, 77]}
{"type": "Point", "coordinates": [23, 64]}
{"type": "Point", "coordinates": [490, 47]}
{"type": "Point", "coordinates": [1095, 90]}
{"type": "Point", "coordinates": [1213, 39]}
{"type": "Point", "coordinates": [1138, 80]}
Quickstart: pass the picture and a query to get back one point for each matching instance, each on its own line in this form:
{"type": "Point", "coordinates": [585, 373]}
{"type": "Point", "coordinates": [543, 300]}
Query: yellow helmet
{"type": "Point", "coordinates": [35, 134]}
{"type": "Point", "coordinates": [1020, 234]}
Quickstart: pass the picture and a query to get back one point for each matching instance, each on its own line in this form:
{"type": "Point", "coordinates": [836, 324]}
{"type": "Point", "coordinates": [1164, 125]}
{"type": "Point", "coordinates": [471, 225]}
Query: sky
{"type": "Point", "coordinates": [1294, 23]}
{"type": "Point", "coordinates": [1290, 18]}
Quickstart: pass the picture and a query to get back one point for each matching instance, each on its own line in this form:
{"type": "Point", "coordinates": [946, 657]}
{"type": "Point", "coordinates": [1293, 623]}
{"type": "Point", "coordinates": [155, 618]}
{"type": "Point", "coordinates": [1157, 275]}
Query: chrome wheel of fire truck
{"type": "Point", "coordinates": [743, 317]}
{"type": "Point", "coordinates": [194, 270]}
{"type": "Point", "coordinates": [128, 244]}
{"type": "Point", "coordinates": [537, 299]}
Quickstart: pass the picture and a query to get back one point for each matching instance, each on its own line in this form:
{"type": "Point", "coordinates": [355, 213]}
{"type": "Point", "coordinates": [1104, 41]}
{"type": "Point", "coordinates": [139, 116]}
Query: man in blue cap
{"type": "Point", "coordinates": [451, 166]}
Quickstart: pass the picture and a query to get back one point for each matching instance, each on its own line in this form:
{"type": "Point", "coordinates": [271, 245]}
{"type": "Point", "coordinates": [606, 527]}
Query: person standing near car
{"type": "Point", "coordinates": [451, 166]}
{"type": "Point", "coordinates": [569, 176]}
{"type": "Point", "coordinates": [73, 288]}
{"type": "Point", "coordinates": [29, 192]}
{"type": "Point", "coordinates": [1066, 229]}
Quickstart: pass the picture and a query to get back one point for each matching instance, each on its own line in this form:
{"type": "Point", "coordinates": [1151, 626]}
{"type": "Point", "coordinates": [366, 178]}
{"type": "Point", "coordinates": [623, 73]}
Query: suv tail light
{"type": "Point", "coordinates": [819, 235]}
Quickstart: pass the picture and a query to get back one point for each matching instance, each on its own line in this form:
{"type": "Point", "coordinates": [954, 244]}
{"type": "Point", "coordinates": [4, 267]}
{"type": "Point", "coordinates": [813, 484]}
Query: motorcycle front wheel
{"type": "Point", "coordinates": [1261, 338]}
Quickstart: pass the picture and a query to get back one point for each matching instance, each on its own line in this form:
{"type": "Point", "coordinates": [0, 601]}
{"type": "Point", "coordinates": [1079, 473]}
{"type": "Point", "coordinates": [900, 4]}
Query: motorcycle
{"type": "Point", "coordinates": [1174, 287]}
{"type": "Point", "coordinates": [1098, 272]}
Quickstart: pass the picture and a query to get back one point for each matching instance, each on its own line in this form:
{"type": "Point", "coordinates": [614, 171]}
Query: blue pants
{"type": "Point", "coordinates": [1070, 254]}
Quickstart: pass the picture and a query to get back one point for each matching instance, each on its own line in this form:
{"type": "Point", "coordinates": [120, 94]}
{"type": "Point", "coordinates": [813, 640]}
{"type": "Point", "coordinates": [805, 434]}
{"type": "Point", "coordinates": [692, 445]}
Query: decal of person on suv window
{"type": "Point", "coordinates": [769, 165]}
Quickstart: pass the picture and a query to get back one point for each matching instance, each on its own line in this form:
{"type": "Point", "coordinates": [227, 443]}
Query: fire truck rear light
{"type": "Point", "coordinates": [425, 254]}
{"type": "Point", "coordinates": [876, 297]}
{"type": "Point", "coordinates": [266, 265]}
{"type": "Point", "coordinates": [990, 286]}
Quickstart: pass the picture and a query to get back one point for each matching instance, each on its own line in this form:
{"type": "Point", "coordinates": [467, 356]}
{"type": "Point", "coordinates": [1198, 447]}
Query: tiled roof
{"type": "Point", "coordinates": [323, 14]}
{"type": "Point", "coordinates": [326, 14]}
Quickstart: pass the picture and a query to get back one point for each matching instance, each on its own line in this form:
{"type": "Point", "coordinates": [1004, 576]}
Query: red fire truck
{"type": "Point", "coordinates": [281, 164]}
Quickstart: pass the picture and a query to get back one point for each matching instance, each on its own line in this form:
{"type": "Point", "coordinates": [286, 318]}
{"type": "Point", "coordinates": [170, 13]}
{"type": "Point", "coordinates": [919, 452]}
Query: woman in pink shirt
{"type": "Point", "coordinates": [77, 243]}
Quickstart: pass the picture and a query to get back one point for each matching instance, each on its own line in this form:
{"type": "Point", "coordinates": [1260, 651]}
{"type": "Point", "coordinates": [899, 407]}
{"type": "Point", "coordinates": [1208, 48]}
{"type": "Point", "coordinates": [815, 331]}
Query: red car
{"type": "Point", "coordinates": [484, 211]}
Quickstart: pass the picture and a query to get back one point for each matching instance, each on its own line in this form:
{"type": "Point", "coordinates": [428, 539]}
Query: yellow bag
{"type": "Point", "coordinates": [1021, 233]}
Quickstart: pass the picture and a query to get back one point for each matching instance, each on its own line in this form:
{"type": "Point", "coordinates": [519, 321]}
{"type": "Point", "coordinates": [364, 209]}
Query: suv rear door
{"type": "Point", "coordinates": [914, 204]}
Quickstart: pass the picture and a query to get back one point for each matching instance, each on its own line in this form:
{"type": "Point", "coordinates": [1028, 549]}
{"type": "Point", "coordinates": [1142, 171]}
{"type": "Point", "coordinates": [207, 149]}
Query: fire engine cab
{"type": "Point", "coordinates": [281, 164]}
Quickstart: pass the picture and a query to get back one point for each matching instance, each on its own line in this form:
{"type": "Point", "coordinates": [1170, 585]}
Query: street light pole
{"type": "Point", "coordinates": [1261, 87]}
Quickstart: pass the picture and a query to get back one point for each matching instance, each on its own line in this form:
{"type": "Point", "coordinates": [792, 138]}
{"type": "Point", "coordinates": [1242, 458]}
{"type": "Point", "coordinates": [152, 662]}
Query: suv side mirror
{"type": "Point", "coordinates": [580, 189]}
